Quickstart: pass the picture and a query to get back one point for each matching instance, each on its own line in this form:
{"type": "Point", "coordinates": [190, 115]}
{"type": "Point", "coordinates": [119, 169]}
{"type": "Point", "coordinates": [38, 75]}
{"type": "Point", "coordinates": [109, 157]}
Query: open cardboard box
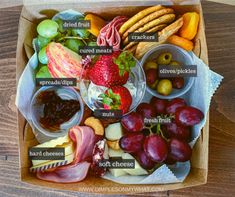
{"type": "Point", "coordinates": [30, 16]}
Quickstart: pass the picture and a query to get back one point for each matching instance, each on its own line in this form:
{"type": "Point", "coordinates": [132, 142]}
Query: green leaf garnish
{"type": "Point", "coordinates": [125, 62]}
{"type": "Point", "coordinates": [111, 99]}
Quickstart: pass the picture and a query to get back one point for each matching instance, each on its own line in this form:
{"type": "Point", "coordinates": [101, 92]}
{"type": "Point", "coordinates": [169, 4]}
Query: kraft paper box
{"type": "Point", "coordinates": [32, 14]}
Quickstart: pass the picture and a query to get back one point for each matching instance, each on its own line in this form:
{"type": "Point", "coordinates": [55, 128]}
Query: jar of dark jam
{"type": "Point", "coordinates": [55, 109]}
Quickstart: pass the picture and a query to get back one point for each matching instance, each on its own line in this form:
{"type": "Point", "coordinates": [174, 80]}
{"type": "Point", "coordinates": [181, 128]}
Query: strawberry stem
{"type": "Point", "coordinates": [110, 99]}
{"type": "Point", "coordinates": [125, 62]}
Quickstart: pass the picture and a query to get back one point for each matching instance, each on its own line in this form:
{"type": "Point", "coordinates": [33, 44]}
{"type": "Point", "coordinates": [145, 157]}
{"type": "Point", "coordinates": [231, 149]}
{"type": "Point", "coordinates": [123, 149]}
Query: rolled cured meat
{"type": "Point", "coordinates": [109, 35]}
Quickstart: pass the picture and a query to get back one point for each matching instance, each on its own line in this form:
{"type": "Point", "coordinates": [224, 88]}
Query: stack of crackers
{"type": "Point", "coordinates": [157, 19]}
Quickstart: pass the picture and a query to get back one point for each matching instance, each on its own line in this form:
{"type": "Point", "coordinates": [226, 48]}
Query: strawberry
{"type": "Point", "coordinates": [112, 70]}
{"type": "Point", "coordinates": [117, 97]}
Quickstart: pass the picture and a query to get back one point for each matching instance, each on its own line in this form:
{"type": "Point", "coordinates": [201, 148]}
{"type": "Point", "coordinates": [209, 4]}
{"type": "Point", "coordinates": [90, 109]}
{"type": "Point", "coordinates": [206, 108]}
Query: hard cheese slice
{"type": "Point", "coordinates": [53, 164]}
{"type": "Point", "coordinates": [68, 149]}
{"type": "Point", "coordinates": [61, 142]}
{"type": "Point", "coordinates": [55, 142]}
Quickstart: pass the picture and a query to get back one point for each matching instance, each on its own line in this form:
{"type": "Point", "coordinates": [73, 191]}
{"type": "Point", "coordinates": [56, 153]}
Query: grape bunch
{"type": "Point", "coordinates": [165, 143]}
{"type": "Point", "coordinates": [53, 31]}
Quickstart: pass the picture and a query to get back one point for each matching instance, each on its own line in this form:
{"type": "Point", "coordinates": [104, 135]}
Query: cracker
{"type": "Point", "coordinates": [147, 19]}
{"type": "Point", "coordinates": [168, 18]}
{"type": "Point", "coordinates": [154, 29]}
{"type": "Point", "coordinates": [168, 31]}
{"type": "Point", "coordinates": [137, 17]}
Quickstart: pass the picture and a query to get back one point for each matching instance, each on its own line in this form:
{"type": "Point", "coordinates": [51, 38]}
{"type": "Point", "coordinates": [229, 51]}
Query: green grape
{"type": "Point", "coordinates": [73, 44]}
{"type": "Point", "coordinates": [42, 41]}
{"type": "Point", "coordinates": [92, 43]}
{"type": "Point", "coordinates": [42, 56]}
{"type": "Point", "coordinates": [83, 33]}
{"type": "Point", "coordinates": [43, 72]}
{"type": "Point", "coordinates": [48, 28]}
{"type": "Point", "coordinates": [69, 32]}
{"type": "Point", "coordinates": [60, 23]}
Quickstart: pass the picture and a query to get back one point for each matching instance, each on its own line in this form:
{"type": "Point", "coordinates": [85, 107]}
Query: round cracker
{"type": "Point", "coordinates": [157, 28]}
{"type": "Point", "coordinates": [147, 19]}
{"type": "Point", "coordinates": [137, 17]}
{"type": "Point", "coordinates": [154, 29]}
{"type": "Point", "coordinates": [168, 31]}
{"type": "Point", "coordinates": [168, 18]}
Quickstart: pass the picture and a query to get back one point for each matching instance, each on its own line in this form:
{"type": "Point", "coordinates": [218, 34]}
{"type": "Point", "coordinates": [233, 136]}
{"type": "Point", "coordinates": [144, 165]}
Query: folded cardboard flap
{"type": "Point", "coordinates": [113, 2]}
{"type": "Point", "coordinates": [30, 16]}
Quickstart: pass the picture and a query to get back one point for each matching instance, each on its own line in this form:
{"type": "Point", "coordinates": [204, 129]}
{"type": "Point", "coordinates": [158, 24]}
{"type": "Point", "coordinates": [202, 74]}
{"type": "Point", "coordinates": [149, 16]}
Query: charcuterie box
{"type": "Point", "coordinates": [35, 11]}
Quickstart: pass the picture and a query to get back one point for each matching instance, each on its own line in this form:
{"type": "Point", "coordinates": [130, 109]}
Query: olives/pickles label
{"type": "Point", "coordinates": [116, 162]}
{"type": "Point", "coordinates": [56, 81]}
{"type": "Point", "coordinates": [142, 37]}
{"type": "Point", "coordinates": [168, 71]}
{"type": "Point", "coordinates": [76, 24]}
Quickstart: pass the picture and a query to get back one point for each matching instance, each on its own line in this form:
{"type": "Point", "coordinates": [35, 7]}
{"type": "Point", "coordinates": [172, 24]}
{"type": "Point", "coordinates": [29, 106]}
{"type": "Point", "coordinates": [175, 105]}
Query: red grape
{"type": "Point", "coordinates": [159, 105]}
{"type": "Point", "coordinates": [132, 142]}
{"type": "Point", "coordinates": [172, 130]}
{"type": "Point", "coordinates": [188, 116]}
{"type": "Point", "coordinates": [178, 82]}
{"type": "Point", "coordinates": [144, 160]}
{"type": "Point", "coordinates": [179, 150]}
{"type": "Point", "coordinates": [133, 122]}
{"type": "Point", "coordinates": [169, 160]}
{"type": "Point", "coordinates": [146, 110]}
{"type": "Point", "coordinates": [156, 148]}
{"type": "Point", "coordinates": [174, 104]}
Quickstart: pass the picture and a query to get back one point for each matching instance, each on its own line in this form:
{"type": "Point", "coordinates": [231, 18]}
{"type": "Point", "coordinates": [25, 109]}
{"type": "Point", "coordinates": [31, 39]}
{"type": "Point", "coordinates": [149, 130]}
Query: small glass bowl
{"type": "Point", "coordinates": [136, 85]}
{"type": "Point", "coordinates": [179, 55]}
{"type": "Point", "coordinates": [36, 111]}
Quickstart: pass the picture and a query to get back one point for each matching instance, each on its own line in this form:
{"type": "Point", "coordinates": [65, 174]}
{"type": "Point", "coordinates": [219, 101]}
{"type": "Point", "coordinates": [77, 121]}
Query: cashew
{"type": "Point", "coordinates": [114, 144]}
{"type": "Point", "coordinates": [95, 124]}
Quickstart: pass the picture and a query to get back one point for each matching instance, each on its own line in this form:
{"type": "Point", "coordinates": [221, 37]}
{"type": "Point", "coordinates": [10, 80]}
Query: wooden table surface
{"type": "Point", "coordinates": [220, 32]}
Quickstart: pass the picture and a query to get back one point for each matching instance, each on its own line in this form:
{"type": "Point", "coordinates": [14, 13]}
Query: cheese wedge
{"type": "Point", "coordinates": [138, 170]}
{"type": "Point", "coordinates": [68, 150]}
{"type": "Point", "coordinates": [61, 142]}
{"type": "Point", "coordinates": [55, 142]}
{"type": "Point", "coordinates": [53, 164]}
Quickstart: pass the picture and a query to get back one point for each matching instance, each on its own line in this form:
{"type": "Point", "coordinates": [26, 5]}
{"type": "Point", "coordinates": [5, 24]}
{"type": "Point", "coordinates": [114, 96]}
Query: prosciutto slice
{"type": "Point", "coordinates": [109, 35]}
{"type": "Point", "coordinates": [84, 139]}
{"type": "Point", "coordinates": [67, 174]}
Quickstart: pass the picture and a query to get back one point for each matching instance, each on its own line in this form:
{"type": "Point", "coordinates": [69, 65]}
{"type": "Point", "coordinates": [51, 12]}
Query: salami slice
{"type": "Point", "coordinates": [109, 35]}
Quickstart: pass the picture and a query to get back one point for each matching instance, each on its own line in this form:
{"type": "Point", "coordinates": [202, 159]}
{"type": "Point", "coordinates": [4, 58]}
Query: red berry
{"type": "Point", "coordinates": [106, 73]}
{"type": "Point", "coordinates": [179, 150]}
{"type": "Point", "coordinates": [132, 142]}
{"type": "Point", "coordinates": [144, 160]}
{"type": "Point", "coordinates": [117, 97]}
{"type": "Point", "coordinates": [133, 122]}
{"type": "Point", "coordinates": [188, 116]}
{"type": "Point", "coordinates": [146, 110]}
{"type": "Point", "coordinates": [174, 104]}
{"type": "Point", "coordinates": [156, 148]}
{"type": "Point", "coordinates": [172, 130]}
{"type": "Point", "coordinates": [159, 105]}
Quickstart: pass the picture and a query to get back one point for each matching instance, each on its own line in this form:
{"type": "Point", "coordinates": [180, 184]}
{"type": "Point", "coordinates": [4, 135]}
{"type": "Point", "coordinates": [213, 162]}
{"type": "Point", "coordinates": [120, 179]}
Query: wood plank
{"type": "Point", "coordinates": [11, 3]}
{"type": "Point", "coordinates": [220, 32]}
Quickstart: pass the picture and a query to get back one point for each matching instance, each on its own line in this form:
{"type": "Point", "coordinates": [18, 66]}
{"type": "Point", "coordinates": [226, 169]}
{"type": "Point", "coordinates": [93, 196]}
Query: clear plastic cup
{"type": "Point", "coordinates": [36, 111]}
{"type": "Point", "coordinates": [136, 85]}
